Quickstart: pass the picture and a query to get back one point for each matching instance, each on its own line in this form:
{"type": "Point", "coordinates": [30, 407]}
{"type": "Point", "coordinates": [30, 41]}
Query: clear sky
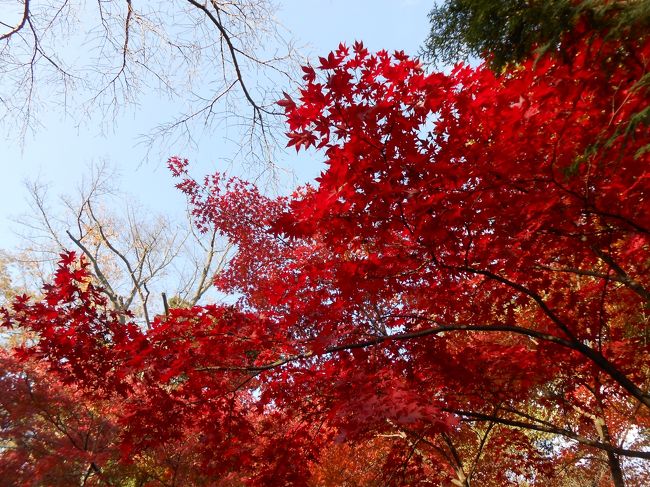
{"type": "Point", "coordinates": [60, 152]}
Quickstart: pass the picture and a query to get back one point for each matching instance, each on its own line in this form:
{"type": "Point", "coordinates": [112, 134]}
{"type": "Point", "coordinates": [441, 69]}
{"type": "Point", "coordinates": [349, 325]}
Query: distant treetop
{"type": "Point", "coordinates": [505, 31]}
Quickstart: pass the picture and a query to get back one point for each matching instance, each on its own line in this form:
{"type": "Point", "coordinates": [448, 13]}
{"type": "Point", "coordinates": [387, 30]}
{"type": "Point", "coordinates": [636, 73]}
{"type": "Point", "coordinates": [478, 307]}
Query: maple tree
{"type": "Point", "coordinates": [464, 291]}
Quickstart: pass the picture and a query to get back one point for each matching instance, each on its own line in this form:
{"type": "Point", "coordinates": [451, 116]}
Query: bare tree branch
{"type": "Point", "coordinates": [20, 25]}
{"type": "Point", "coordinates": [213, 60]}
{"type": "Point", "coordinates": [133, 254]}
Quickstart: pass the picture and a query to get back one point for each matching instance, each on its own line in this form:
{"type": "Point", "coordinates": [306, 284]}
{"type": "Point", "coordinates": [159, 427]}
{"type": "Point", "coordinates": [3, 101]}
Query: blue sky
{"type": "Point", "coordinates": [60, 151]}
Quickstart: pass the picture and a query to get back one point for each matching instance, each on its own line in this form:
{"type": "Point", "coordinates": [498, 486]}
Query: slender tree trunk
{"type": "Point", "coordinates": [613, 461]}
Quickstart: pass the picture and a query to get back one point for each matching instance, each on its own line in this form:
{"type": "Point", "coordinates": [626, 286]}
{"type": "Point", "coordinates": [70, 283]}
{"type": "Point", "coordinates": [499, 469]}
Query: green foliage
{"type": "Point", "coordinates": [506, 31]}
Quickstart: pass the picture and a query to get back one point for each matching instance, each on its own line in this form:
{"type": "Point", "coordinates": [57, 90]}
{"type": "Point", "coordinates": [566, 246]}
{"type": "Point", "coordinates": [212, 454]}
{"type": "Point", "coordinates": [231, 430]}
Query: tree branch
{"type": "Point", "coordinates": [474, 416]}
{"type": "Point", "coordinates": [596, 357]}
{"type": "Point", "coordinates": [258, 110]}
{"type": "Point", "coordinates": [20, 25]}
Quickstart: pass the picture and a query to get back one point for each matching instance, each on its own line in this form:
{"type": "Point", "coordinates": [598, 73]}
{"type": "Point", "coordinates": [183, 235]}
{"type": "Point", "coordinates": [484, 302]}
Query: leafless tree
{"type": "Point", "coordinates": [135, 255]}
{"type": "Point", "coordinates": [221, 59]}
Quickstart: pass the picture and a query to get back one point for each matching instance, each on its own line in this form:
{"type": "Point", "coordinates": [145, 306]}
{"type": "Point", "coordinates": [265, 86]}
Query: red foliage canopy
{"type": "Point", "coordinates": [468, 278]}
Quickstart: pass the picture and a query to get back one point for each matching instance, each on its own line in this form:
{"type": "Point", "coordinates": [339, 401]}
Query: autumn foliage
{"type": "Point", "coordinates": [460, 299]}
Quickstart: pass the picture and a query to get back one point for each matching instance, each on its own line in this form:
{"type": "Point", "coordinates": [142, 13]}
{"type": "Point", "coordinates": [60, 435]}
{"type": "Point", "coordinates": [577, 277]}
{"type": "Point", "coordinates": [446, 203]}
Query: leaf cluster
{"type": "Point", "coordinates": [508, 31]}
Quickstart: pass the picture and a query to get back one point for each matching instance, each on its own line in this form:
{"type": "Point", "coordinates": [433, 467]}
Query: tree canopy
{"type": "Point", "coordinates": [508, 31]}
{"type": "Point", "coordinates": [461, 297]}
